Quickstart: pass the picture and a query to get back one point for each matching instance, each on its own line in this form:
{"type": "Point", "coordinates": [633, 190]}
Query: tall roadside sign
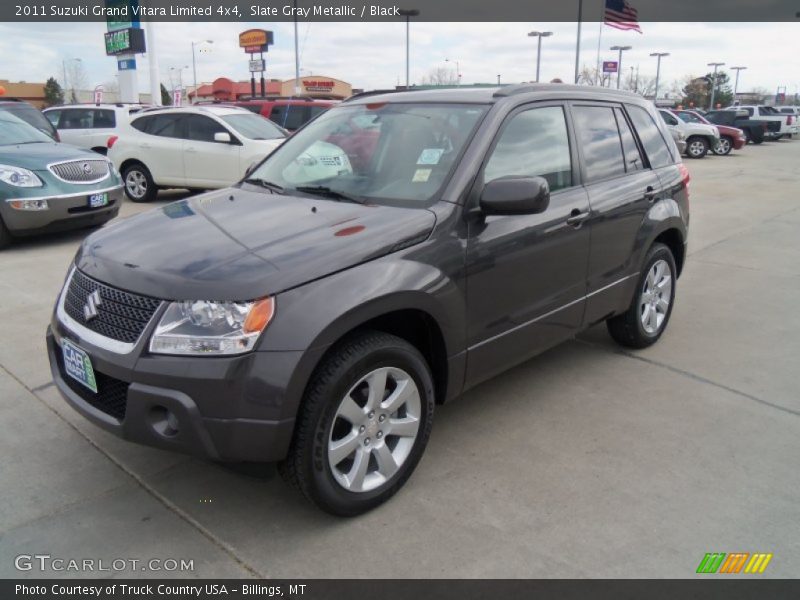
{"type": "Point", "coordinates": [124, 40]}
{"type": "Point", "coordinates": [256, 41]}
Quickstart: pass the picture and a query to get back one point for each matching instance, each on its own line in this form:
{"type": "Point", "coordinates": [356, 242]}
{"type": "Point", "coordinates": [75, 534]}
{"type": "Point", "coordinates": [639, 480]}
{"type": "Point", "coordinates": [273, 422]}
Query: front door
{"type": "Point", "coordinates": [526, 274]}
{"type": "Point", "coordinates": [208, 163]}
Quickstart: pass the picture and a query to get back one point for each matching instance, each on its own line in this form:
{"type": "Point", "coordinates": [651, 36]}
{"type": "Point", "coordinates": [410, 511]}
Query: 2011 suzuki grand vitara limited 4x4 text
{"type": "Point", "coordinates": [398, 250]}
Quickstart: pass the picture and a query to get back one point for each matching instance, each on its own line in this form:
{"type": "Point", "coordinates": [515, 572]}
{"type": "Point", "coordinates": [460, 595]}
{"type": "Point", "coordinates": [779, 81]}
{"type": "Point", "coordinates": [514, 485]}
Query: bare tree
{"type": "Point", "coordinates": [440, 76]}
{"type": "Point", "coordinates": [76, 78]}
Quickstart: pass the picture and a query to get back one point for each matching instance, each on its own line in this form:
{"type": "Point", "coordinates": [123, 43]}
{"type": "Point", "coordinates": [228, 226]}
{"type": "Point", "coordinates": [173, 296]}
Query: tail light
{"type": "Point", "coordinates": [789, 120]}
{"type": "Point", "coordinates": [111, 141]}
{"type": "Point", "coordinates": [686, 178]}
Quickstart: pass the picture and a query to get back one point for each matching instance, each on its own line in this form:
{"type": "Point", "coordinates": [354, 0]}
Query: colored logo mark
{"type": "Point", "coordinates": [734, 562]}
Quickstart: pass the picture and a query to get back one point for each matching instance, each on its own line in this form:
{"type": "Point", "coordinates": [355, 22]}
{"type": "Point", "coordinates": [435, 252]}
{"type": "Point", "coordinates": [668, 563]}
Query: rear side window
{"type": "Point", "coordinates": [202, 129]}
{"type": "Point", "coordinates": [290, 116]}
{"type": "Point", "coordinates": [669, 118]}
{"type": "Point", "coordinates": [53, 116]}
{"type": "Point", "coordinates": [633, 158]}
{"type": "Point", "coordinates": [104, 119]}
{"type": "Point", "coordinates": [160, 125]}
{"type": "Point", "coordinates": [656, 147]}
{"type": "Point", "coordinates": [599, 140]}
{"type": "Point", "coordinates": [76, 118]}
{"type": "Point", "coordinates": [534, 143]}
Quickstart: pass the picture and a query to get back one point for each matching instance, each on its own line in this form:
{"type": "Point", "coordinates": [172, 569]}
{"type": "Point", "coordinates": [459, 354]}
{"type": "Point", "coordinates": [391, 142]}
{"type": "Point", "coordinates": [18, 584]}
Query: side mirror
{"type": "Point", "coordinates": [223, 137]}
{"type": "Point", "coordinates": [515, 196]}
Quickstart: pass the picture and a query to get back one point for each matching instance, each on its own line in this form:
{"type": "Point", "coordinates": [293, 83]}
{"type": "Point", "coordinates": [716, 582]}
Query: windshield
{"type": "Point", "coordinates": [254, 127]}
{"type": "Point", "coordinates": [400, 153]}
{"type": "Point", "coordinates": [16, 131]}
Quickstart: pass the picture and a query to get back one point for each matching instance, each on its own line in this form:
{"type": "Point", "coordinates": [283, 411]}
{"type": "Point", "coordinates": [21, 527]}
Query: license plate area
{"type": "Point", "coordinates": [98, 200]}
{"type": "Point", "coordinates": [78, 365]}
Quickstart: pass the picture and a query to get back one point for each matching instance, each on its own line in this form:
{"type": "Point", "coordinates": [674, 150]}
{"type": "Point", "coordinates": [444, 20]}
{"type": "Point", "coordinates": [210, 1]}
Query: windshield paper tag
{"type": "Point", "coordinates": [421, 175]}
{"type": "Point", "coordinates": [430, 156]}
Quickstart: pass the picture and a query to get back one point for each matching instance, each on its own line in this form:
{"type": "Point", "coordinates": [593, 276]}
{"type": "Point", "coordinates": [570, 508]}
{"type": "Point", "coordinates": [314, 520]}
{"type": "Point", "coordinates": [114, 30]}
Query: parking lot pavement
{"type": "Point", "coordinates": [588, 461]}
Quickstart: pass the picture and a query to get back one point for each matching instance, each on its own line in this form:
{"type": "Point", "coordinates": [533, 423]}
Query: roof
{"type": "Point", "coordinates": [218, 110]}
{"type": "Point", "coordinates": [492, 95]}
{"type": "Point", "coordinates": [110, 105]}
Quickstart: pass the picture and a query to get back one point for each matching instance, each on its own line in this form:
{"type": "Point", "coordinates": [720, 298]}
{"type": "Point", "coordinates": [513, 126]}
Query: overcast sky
{"type": "Point", "coordinates": [372, 55]}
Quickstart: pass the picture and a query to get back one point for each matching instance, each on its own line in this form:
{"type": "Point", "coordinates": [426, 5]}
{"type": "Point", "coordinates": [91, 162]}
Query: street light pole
{"type": "Point", "coordinates": [736, 85]}
{"type": "Point", "coordinates": [458, 70]}
{"type": "Point", "coordinates": [296, 55]}
{"type": "Point", "coordinates": [194, 65]}
{"type": "Point", "coordinates": [658, 70]}
{"type": "Point", "coordinates": [714, 82]}
{"type": "Point", "coordinates": [540, 35]}
{"type": "Point", "coordinates": [619, 61]}
{"type": "Point", "coordinates": [408, 13]}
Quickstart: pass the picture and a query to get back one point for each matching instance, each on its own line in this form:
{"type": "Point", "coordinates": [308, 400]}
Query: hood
{"type": "Point", "coordinates": [37, 156]}
{"type": "Point", "coordinates": [238, 244]}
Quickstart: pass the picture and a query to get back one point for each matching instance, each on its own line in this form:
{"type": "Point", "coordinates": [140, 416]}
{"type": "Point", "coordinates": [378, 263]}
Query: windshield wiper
{"type": "Point", "coordinates": [273, 187]}
{"type": "Point", "coordinates": [323, 190]}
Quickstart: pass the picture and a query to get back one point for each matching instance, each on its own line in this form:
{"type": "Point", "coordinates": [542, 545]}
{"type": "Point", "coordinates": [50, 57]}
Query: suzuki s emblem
{"type": "Point", "coordinates": [87, 168]}
{"type": "Point", "coordinates": [93, 301]}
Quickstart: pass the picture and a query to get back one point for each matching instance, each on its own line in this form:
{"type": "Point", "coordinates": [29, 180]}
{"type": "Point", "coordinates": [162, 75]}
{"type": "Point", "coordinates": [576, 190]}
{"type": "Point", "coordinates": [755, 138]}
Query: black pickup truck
{"type": "Point", "coordinates": [755, 130]}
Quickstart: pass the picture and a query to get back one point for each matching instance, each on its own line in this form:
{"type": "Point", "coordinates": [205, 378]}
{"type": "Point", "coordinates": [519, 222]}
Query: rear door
{"type": "Point", "coordinates": [208, 163]}
{"type": "Point", "coordinates": [622, 186]}
{"type": "Point", "coordinates": [526, 274]}
{"type": "Point", "coordinates": [160, 147]}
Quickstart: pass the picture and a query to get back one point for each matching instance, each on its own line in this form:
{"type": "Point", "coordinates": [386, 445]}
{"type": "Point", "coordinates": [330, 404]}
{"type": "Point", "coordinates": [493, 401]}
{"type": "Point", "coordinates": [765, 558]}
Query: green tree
{"type": "Point", "coordinates": [697, 91]}
{"type": "Point", "coordinates": [53, 94]}
{"type": "Point", "coordinates": [166, 97]}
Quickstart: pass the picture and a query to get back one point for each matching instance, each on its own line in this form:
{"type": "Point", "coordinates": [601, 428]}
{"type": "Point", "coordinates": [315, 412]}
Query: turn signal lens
{"type": "Point", "coordinates": [259, 316]}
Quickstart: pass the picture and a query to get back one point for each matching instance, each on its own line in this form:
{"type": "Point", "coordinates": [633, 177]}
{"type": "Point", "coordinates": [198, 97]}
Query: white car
{"type": "Point", "coordinates": [700, 138]}
{"type": "Point", "coordinates": [89, 126]}
{"type": "Point", "coordinates": [200, 147]}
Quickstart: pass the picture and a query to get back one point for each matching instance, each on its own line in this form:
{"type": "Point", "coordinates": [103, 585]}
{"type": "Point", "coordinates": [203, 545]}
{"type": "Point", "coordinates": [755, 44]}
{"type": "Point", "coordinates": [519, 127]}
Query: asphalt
{"type": "Point", "coordinates": [588, 461]}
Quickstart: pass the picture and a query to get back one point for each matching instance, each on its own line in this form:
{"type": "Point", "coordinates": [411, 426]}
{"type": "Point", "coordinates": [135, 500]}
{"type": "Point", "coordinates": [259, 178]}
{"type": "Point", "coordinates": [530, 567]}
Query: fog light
{"type": "Point", "coordinates": [29, 204]}
{"type": "Point", "coordinates": [164, 421]}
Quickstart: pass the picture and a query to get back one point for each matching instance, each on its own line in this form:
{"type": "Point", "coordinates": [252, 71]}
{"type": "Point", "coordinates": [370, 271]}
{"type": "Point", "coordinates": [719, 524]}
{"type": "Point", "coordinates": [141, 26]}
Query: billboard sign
{"type": "Point", "coordinates": [125, 41]}
{"type": "Point", "coordinates": [255, 40]}
{"type": "Point", "coordinates": [610, 66]}
{"type": "Point", "coordinates": [258, 66]}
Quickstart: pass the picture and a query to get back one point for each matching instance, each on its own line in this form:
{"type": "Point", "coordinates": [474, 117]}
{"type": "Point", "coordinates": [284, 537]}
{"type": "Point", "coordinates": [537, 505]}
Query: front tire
{"type": "Point", "coordinates": [724, 146]}
{"type": "Point", "coordinates": [139, 184]}
{"type": "Point", "coordinates": [696, 147]}
{"type": "Point", "coordinates": [648, 315]}
{"type": "Point", "coordinates": [364, 423]}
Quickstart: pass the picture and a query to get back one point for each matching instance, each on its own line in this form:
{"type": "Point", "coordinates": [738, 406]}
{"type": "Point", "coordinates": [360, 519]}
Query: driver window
{"type": "Point", "coordinates": [533, 143]}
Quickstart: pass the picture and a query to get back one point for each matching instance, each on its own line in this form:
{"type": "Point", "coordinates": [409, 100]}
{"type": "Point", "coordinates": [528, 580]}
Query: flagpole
{"type": "Point", "coordinates": [578, 44]}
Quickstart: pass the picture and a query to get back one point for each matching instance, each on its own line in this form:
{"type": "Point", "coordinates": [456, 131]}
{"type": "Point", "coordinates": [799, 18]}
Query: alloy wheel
{"type": "Point", "coordinates": [655, 297]}
{"type": "Point", "coordinates": [374, 429]}
{"type": "Point", "coordinates": [696, 148]}
{"type": "Point", "coordinates": [136, 184]}
{"type": "Point", "coordinates": [723, 146]}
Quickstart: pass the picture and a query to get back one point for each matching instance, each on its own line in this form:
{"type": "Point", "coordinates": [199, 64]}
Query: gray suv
{"type": "Point", "coordinates": [393, 253]}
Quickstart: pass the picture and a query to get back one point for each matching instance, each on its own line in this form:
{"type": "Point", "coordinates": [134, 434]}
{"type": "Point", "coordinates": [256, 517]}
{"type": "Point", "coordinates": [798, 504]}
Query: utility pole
{"type": "Point", "coordinates": [194, 65]}
{"type": "Point", "coordinates": [578, 42]}
{"type": "Point", "coordinates": [716, 65]}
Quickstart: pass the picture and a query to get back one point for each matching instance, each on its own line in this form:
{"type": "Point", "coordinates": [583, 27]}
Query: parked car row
{"type": "Point", "coordinates": [722, 131]}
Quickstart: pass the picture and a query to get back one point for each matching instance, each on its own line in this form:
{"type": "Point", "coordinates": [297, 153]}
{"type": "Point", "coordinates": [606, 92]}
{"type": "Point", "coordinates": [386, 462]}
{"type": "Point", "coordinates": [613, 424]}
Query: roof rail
{"type": "Point", "coordinates": [377, 93]}
{"type": "Point", "coordinates": [525, 88]}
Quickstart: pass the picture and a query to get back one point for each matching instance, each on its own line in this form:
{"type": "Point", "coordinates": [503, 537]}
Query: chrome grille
{"type": "Point", "coordinates": [121, 315]}
{"type": "Point", "coordinates": [81, 171]}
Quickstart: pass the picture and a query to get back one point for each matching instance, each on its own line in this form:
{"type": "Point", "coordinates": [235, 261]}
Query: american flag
{"type": "Point", "coordinates": [621, 15]}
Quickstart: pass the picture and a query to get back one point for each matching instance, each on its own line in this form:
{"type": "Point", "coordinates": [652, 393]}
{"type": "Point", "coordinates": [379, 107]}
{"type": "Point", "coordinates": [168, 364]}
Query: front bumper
{"type": "Point", "coordinates": [219, 408]}
{"type": "Point", "coordinates": [65, 211]}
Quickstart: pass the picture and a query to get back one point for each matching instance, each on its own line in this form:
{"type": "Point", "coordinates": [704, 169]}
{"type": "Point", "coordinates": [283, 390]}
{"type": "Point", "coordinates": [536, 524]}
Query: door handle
{"type": "Point", "coordinates": [650, 193]}
{"type": "Point", "coordinates": [145, 146]}
{"type": "Point", "coordinates": [577, 217]}
{"type": "Point", "coordinates": [191, 149]}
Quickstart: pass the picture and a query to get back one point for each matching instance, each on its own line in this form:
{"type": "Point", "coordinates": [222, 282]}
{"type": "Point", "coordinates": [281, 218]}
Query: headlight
{"type": "Point", "coordinates": [202, 327]}
{"type": "Point", "coordinates": [19, 177]}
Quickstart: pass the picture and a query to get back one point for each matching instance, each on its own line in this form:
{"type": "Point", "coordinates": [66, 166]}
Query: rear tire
{"type": "Point", "coordinates": [139, 184]}
{"type": "Point", "coordinates": [363, 424]}
{"type": "Point", "coordinates": [648, 315]}
{"type": "Point", "coordinates": [696, 147]}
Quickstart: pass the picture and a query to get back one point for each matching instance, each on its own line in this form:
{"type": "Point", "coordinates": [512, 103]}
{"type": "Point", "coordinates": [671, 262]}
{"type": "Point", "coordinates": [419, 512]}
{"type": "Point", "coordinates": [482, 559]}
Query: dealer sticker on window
{"type": "Point", "coordinates": [78, 365]}
{"type": "Point", "coordinates": [421, 175]}
{"type": "Point", "coordinates": [430, 156]}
